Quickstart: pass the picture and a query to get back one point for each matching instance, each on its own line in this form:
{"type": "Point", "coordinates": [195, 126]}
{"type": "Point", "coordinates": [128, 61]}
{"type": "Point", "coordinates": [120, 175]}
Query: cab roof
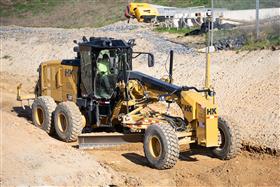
{"type": "Point", "coordinates": [105, 43]}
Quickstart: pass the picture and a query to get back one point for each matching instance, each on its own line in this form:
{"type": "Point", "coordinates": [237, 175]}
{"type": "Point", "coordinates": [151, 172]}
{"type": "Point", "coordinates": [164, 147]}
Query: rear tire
{"type": "Point", "coordinates": [42, 111]}
{"type": "Point", "coordinates": [230, 141]}
{"type": "Point", "coordinates": [68, 121]}
{"type": "Point", "coordinates": [161, 146]}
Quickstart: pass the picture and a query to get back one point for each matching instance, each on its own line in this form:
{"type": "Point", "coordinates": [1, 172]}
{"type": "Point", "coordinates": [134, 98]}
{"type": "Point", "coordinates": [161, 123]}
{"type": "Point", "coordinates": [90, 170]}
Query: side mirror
{"type": "Point", "coordinates": [151, 61]}
{"type": "Point", "coordinates": [75, 41]}
{"type": "Point", "coordinates": [131, 42]}
{"type": "Point", "coordinates": [76, 49]}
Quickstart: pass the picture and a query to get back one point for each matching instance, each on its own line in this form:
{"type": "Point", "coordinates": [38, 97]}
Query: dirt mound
{"type": "Point", "coordinates": [31, 157]}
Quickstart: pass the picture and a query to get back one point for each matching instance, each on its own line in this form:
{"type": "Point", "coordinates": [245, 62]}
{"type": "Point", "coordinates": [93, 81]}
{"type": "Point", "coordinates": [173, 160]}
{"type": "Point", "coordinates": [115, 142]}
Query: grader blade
{"type": "Point", "coordinates": [99, 140]}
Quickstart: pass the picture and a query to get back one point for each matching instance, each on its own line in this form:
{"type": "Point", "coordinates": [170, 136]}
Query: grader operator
{"type": "Point", "coordinates": [99, 91]}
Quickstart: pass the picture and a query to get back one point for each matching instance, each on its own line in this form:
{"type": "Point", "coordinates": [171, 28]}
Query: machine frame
{"type": "Point", "coordinates": [66, 91]}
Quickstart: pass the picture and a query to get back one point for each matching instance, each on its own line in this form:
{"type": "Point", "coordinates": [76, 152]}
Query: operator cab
{"type": "Point", "coordinates": [104, 62]}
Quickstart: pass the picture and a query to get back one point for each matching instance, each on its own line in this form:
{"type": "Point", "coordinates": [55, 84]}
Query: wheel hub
{"type": "Point", "coordinates": [39, 116]}
{"type": "Point", "coordinates": [62, 122]}
{"type": "Point", "coordinates": [155, 147]}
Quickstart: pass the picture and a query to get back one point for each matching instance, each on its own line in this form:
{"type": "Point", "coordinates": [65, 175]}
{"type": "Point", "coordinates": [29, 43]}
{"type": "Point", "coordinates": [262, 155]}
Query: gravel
{"type": "Point", "coordinates": [57, 36]}
{"type": "Point", "coordinates": [119, 27]}
{"type": "Point", "coordinates": [141, 31]}
{"type": "Point", "coordinates": [163, 45]}
{"type": "Point", "coordinates": [230, 43]}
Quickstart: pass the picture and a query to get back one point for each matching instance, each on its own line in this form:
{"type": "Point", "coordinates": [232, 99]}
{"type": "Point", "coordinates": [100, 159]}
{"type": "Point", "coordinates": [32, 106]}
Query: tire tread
{"type": "Point", "coordinates": [173, 150]}
{"type": "Point", "coordinates": [75, 117]}
{"type": "Point", "coordinates": [50, 106]}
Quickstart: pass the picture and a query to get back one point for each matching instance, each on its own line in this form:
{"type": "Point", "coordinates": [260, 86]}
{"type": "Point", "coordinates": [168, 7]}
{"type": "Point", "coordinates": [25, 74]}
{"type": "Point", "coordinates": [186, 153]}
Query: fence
{"type": "Point", "coordinates": [246, 21]}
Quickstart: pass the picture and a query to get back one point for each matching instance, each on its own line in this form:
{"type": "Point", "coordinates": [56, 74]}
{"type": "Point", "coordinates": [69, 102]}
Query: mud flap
{"type": "Point", "coordinates": [99, 140]}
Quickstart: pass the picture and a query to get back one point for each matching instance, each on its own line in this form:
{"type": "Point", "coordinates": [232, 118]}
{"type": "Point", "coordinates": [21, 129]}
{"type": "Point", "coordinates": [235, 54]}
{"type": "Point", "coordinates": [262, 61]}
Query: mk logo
{"type": "Point", "coordinates": [211, 111]}
{"type": "Point", "coordinates": [188, 108]}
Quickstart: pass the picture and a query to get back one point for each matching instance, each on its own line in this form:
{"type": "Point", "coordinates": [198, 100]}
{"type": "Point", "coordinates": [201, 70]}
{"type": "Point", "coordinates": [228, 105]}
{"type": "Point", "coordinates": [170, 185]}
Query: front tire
{"type": "Point", "coordinates": [42, 111]}
{"type": "Point", "coordinates": [68, 121]}
{"type": "Point", "coordinates": [229, 140]}
{"type": "Point", "coordinates": [161, 146]}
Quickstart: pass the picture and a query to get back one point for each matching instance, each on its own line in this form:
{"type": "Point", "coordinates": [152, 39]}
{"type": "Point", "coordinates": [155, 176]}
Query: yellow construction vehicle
{"type": "Point", "coordinates": [143, 12]}
{"type": "Point", "coordinates": [100, 100]}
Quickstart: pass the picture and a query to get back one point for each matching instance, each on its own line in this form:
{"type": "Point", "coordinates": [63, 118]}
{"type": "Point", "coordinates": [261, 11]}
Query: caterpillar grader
{"type": "Point", "coordinates": [99, 100]}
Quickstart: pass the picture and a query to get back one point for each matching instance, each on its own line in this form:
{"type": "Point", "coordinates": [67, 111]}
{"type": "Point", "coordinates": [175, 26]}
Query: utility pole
{"type": "Point", "coordinates": [208, 43]}
{"type": "Point", "coordinates": [257, 19]}
{"type": "Point", "coordinates": [212, 22]}
{"type": "Point", "coordinates": [210, 16]}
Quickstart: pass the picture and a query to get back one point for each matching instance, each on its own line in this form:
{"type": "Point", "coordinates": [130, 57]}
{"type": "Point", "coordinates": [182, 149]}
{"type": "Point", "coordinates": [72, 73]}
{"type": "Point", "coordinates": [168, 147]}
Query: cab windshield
{"type": "Point", "coordinates": [109, 67]}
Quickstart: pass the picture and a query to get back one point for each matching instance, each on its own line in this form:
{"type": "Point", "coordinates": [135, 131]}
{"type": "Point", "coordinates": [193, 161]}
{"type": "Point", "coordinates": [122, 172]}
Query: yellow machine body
{"type": "Point", "coordinates": [203, 116]}
{"type": "Point", "coordinates": [58, 81]}
{"type": "Point", "coordinates": [141, 11]}
{"type": "Point", "coordinates": [65, 80]}
{"type": "Point", "coordinates": [99, 90]}
{"type": "Point", "coordinates": [197, 110]}
{"type": "Point", "coordinates": [61, 83]}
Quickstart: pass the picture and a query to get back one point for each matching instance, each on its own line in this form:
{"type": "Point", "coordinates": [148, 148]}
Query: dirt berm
{"type": "Point", "coordinates": [247, 87]}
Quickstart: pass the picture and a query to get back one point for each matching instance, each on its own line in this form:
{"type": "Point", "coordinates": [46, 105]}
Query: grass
{"type": "Point", "coordinates": [23, 7]}
{"type": "Point", "coordinates": [228, 4]}
{"type": "Point", "coordinates": [181, 3]}
{"type": "Point", "coordinates": [174, 30]}
{"type": "Point", "coordinates": [266, 43]}
{"type": "Point", "coordinates": [96, 13]}
{"type": "Point", "coordinates": [35, 7]}
{"type": "Point", "coordinates": [62, 13]}
{"type": "Point", "coordinates": [245, 4]}
{"type": "Point", "coordinates": [269, 36]}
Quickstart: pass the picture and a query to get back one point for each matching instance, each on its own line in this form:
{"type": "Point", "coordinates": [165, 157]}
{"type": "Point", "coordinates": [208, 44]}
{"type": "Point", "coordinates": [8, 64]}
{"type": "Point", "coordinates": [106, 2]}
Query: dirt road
{"type": "Point", "coordinates": [194, 168]}
{"type": "Point", "coordinates": [32, 157]}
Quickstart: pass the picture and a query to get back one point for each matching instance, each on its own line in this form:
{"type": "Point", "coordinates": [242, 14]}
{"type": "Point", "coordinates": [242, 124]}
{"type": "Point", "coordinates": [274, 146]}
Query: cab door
{"type": "Point", "coordinates": [69, 82]}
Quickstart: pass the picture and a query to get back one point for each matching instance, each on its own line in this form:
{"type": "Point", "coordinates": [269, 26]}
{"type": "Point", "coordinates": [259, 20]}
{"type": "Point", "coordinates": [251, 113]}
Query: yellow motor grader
{"type": "Point", "coordinates": [99, 100]}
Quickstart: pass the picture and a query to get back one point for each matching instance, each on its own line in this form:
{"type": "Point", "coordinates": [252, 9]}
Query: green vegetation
{"type": "Point", "coordinates": [72, 13]}
{"type": "Point", "coordinates": [228, 4]}
{"type": "Point", "coordinates": [174, 30]}
{"type": "Point", "coordinates": [271, 41]}
{"type": "Point", "coordinates": [95, 13]}
{"type": "Point", "coordinates": [245, 4]}
{"type": "Point", "coordinates": [62, 13]}
{"type": "Point", "coordinates": [269, 36]}
{"type": "Point", "coordinates": [35, 7]}
{"type": "Point", "coordinates": [181, 3]}
{"type": "Point", "coordinates": [20, 8]}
